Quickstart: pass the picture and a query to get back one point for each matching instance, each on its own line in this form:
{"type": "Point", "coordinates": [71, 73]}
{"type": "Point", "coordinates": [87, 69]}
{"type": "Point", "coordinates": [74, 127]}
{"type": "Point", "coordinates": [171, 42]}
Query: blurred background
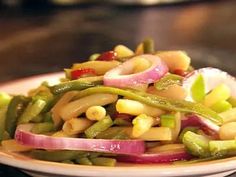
{"type": "Point", "coordinates": [42, 36]}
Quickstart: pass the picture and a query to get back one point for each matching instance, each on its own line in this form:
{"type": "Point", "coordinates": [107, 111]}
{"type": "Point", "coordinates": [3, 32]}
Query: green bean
{"type": "Point", "coordinates": [6, 136]}
{"type": "Point", "coordinates": [222, 148]}
{"type": "Point", "coordinates": [195, 160]}
{"type": "Point", "coordinates": [94, 56]}
{"type": "Point", "coordinates": [148, 46]}
{"type": "Point", "coordinates": [47, 97]}
{"type": "Point", "coordinates": [3, 111]}
{"type": "Point", "coordinates": [47, 117]}
{"type": "Point", "coordinates": [67, 73]}
{"type": "Point", "coordinates": [70, 85]}
{"type": "Point", "coordinates": [192, 129]}
{"type": "Point", "coordinates": [67, 161]}
{"type": "Point", "coordinates": [197, 145]}
{"type": "Point", "coordinates": [83, 161]}
{"type": "Point", "coordinates": [14, 110]}
{"type": "Point", "coordinates": [111, 133]}
{"type": "Point", "coordinates": [157, 101]}
{"type": "Point", "coordinates": [33, 109]}
{"type": "Point", "coordinates": [56, 156]}
{"type": "Point", "coordinates": [43, 127]}
{"type": "Point", "coordinates": [122, 122]}
{"type": "Point", "coordinates": [103, 161]}
{"type": "Point", "coordinates": [37, 119]}
{"type": "Point", "coordinates": [168, 80]}
{"type": "Point", "coordinates": [94, 154]}
{"type": "Point", "coordinates": [98, 127]}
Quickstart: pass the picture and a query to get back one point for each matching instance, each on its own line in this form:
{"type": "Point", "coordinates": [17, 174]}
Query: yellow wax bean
{"type": "Point", "coordinates": [166, 147]}
{"type": "Point", "coordinates": [91, 79]}
{"type": "Point", "coordinates": [177, 128]}
{"type": "Point", "coordinates": [220, 93]}
{"type": "Point", "coordinates": [101, 67]}
{"type": "Point", "coordinates": [96, 113]}
{"type": "Point", "coordinates": [77, 107]}
{"type": "Point", "coordinates": [76, 125]}
{"type": "Point", "coordinates": [175, 59]}
{"type": "Point", "coordinates": [58, 106]}
{"type": "Point", "coordinates": [12, 145]}
{"type": "Point", "coordinates": [123, 51]}
{"type": "Point", "coordinates": [141, 124]}
{"type": "Point", "coordinates": [139, 49]}
{"type": "Point", "coordinates": [156, 134]}
{"type": "Point", "coordinates": [228, 116]}
{"type": "Point", "coordinates": [136, 108]}
{"type": "Point", "coordinates": [153, 134]}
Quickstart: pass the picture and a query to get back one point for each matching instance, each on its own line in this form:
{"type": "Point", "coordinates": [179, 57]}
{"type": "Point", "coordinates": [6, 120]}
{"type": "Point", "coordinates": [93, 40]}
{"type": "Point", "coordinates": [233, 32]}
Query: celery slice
{"type": "Point", "coordinates": [198, 89]}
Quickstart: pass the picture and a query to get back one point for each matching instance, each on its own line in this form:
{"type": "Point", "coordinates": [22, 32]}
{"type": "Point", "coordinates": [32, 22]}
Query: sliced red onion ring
{"type": "Point", "coordinates": [25, 137]}
{"type": "Point", "coordinates": [212, 78]}
{"type": "Point", "coordinates": [198, 121]}
{"type": "Point", "coordinates": [162, 157]}
{"type": "Point", "coordinates": [122, 76]}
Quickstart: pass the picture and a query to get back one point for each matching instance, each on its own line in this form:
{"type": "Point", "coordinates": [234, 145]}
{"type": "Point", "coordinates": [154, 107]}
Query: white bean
{"type": "Point", "coordinates": [228, 131]}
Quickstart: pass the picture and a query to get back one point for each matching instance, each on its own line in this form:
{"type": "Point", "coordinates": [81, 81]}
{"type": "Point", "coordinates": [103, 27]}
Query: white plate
{"type": "Point", "coordinates": [43, 168]}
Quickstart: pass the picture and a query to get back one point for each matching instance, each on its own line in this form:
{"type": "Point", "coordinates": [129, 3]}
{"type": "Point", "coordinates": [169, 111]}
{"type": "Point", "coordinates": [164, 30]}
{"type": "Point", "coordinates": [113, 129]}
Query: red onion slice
{"type": "Point", "coordinates": [122, 76]}
{"type": "Point", "coordinates": [201, 122]}
{"type": "Point", "coordinates": [25, 137]}
{"type": "Point", "coordinates": [212, 78]}
{"type": "Point", "coordinates": [162, 157]}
